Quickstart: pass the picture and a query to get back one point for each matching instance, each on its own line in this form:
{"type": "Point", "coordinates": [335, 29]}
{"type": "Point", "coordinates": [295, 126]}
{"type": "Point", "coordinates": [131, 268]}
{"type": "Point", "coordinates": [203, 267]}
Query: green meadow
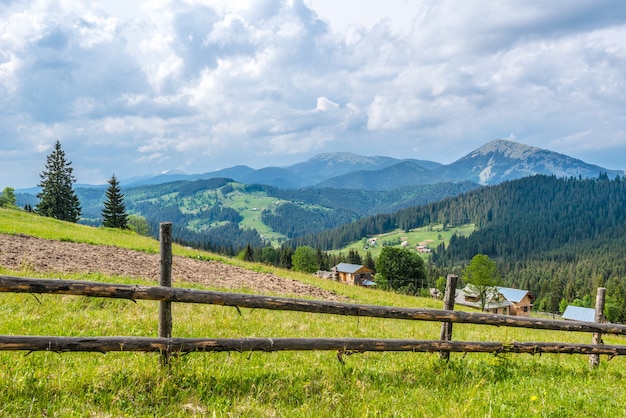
{"type": "Point", "coordinates": [429, 236]}
{"type": "Point", "coordinates": [282, 384]}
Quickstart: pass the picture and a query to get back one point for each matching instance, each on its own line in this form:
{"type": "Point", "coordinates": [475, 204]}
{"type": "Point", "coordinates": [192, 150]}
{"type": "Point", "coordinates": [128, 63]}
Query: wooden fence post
{"type": "Point", "coordinates": [165, 308]}
{"type": "Point", "coordinates": [594, 359]}
{"type": "Point", "coordinates": [448, 305]}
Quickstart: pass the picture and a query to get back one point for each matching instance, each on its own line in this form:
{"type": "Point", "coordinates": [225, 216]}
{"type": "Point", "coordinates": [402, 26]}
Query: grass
{"type": "Point", "coordinates": [294, 384]}
{"type": "Point", "coordinates": [250, 206]}
{"type": "Point", "coordinates": [429, 236]}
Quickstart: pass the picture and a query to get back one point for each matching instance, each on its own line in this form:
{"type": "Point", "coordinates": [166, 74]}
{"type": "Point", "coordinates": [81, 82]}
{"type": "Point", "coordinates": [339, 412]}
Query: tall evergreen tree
{"type": "Point", "coordinates": [354, 257]}
{"type": "Point", "coordinates": [369, 261]}
{"type": "Point", "coordinates": [57, 198]}
{"type": "Point", "coordinates": [247, 254]}
{"type": "Point", "coordinates": [114, 213]}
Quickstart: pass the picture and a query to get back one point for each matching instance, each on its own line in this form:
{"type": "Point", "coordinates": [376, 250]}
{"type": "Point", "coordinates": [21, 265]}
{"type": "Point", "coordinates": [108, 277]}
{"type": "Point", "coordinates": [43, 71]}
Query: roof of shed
{"type": "Point", "coordinates": [578, 313]}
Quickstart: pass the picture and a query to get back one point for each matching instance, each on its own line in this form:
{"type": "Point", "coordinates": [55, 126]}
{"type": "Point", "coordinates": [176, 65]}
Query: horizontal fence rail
{"type": "Point", "coordinates": [242, 300]}
{"type": "Point", "coordinates": [166, 345]}
{"type": "Point", "coordinates": [342, 345]}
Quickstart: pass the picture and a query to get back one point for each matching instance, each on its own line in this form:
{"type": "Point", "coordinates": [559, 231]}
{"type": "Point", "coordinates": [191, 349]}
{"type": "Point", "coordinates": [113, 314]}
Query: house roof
{"type": "Point", "coordinates": [350, 268]}
{"type": "Point", "coordinates": [513, 295]}
{"type": "Point", "coordinates": [578, 313]}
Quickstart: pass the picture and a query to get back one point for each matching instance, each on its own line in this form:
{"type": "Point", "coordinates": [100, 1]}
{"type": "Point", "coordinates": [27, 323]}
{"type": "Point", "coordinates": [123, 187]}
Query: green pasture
{"type": "Point", "coordinates": [430, 236]}
{"type": "Point", "coordinates": [283, 384]}
{"type": "Point", "coordinates": [250, 206]}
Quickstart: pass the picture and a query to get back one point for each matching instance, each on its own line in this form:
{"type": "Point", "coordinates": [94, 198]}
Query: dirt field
{"type": "Point", "coordinates": [21, 253]}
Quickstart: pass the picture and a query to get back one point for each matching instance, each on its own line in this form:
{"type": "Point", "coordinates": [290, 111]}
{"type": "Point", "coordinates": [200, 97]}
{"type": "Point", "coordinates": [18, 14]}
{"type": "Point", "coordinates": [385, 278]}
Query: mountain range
{"type": "Point", "coordinates": [493, 163]}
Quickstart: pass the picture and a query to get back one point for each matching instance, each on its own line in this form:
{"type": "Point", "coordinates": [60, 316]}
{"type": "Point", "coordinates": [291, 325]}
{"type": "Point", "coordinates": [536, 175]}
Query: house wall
{"type": "Point", "coordinates": [522, 308]}
{"type": "Point", "coordinates": [344, 277]}
{"type": "Point", "coordinates": [356, 278]}
{"type": "Point", "coordinates": [504, 310]}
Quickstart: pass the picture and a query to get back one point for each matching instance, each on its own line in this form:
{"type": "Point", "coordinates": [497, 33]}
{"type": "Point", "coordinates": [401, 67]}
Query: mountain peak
{"type": "Point", "coordinates": [331, 158]}
{"type": "Point", "coordinates": [507, 148]}
{"type": "Point", "coordinates": [502, 160]}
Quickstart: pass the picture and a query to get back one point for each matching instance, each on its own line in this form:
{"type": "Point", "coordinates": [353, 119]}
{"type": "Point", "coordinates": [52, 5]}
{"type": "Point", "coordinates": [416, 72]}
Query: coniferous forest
{"type": "Point", "coordinates": [559, 238]}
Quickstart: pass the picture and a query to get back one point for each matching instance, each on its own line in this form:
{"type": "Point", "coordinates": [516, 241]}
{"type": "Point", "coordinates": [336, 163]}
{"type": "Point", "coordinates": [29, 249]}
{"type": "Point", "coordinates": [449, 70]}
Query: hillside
{"type": "Point", "coordinates": [70, 249]}
{"type": "Point", "coordinates": [557, 237]}
{"type": "Point", "coordinates": [228, 215]}
{"type": "Point", "coordinates": [299, 384]}
{"type": "Point", "coordinates": [43, 256]}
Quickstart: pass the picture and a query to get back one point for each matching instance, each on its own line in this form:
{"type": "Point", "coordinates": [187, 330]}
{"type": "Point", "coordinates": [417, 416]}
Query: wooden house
{"type": "Point", "coordinates": [522, 300]}
{"type": "Point", "coordinates": [354, 274]}
{"type": "Point", "coordinates": [500, 300]}
{"type": "Point", "coordinates": [496, 303]}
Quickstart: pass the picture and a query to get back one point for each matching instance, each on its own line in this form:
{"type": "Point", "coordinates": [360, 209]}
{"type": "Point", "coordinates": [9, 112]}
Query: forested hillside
{"type": "Point", "coordinates": [222, 215]}
{"type": "Point", "coordinates": [364, 202]}
{"type": "Point", "coordinates": [559, 238]}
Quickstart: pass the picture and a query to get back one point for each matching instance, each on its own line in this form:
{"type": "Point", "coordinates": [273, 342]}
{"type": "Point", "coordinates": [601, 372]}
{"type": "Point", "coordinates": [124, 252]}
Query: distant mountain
{"type": "Point", "coordinates": [170, 176]}
{"type": "Point", "coordinates": [322, 167]}
{"type": "Point", "coordinates": [311, 172]}
{"type": "Point", "coordinates": [275, 176]}
{"type": "Point", "coordinates": [493, 163]}
{"type": "Point", "coordinates": [503, 160]}
{"type": "Point", "coordinates": [167, 177]}
{"type": "Point", "coordinates": [402, 174]}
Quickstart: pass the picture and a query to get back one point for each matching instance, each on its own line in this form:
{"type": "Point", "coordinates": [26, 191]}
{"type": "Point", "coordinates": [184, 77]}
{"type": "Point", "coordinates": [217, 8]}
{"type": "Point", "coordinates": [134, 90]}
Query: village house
{"type": "Point", "coordinates": [522, 300]}
{"type": "Point", "coordinates": [423, 249]}
{"type": "Point", "coordinates": [354, 274]}
{"type": "Point", "coordinates": [501, 300]}
{"type": "Point", "coordinates": [495, 301]}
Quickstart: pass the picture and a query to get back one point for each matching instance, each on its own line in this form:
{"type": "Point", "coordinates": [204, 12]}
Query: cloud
{"type": "Point", "coordinates": [201, 85]}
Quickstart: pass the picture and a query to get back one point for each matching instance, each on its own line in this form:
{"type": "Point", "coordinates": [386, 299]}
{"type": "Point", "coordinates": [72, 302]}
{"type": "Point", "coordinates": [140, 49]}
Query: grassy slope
{"type": "Point", "coordinates": [278, 384]}
{"type": "Point", "coordinates": [429, 236]}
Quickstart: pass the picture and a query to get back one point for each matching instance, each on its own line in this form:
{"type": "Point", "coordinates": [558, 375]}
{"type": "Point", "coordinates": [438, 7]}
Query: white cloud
{"type": "Point", "coordinates": [326, 105]}
{"type": "Point", "coordinates": [143, 87]}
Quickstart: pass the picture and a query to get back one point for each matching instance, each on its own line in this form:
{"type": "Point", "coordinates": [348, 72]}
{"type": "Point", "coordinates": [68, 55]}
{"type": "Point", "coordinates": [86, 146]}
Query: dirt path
{"type": "Point", "coordinates": [19, 252]}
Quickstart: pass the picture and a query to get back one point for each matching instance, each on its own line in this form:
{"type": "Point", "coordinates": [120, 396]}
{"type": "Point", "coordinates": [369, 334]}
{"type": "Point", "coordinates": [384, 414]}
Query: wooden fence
{"type": "Point", "coordinates": [167, 345]}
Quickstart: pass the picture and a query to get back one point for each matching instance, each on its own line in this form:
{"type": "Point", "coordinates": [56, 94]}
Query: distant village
{"type": "Point", "coordinates": [500, 300]}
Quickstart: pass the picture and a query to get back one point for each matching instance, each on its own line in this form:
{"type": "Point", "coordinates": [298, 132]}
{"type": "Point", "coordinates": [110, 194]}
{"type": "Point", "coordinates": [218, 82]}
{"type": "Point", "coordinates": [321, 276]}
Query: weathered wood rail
{"type": "Point", "coordinates": [342, 345]}
{"type": "Point", "coordinates": [243, 300]}
{"type": "Point", "coordinates": [167, 345]}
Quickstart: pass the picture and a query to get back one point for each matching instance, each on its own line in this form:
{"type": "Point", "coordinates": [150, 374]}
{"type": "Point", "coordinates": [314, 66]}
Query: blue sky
{"type": "Point", "coordinates": [134, 88]}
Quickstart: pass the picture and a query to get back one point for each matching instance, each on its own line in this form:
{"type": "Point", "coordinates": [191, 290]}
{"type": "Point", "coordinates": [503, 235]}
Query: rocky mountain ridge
{"type": "Point", "coordinates": [493, 163]}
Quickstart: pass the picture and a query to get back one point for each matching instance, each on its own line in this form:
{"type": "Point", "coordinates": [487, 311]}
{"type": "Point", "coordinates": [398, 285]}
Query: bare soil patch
{"type": "Point", "coordinates": [20, 252]}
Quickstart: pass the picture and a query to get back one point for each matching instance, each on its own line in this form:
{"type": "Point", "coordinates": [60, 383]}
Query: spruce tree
{"type": "Point", "coordinates": [57, 198]}
{"type": "Point", "coordinates": [114, 213]}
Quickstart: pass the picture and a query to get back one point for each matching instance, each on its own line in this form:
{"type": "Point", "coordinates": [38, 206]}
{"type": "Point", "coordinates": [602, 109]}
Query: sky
{"type": "Point", "coordinates": [135, 88]}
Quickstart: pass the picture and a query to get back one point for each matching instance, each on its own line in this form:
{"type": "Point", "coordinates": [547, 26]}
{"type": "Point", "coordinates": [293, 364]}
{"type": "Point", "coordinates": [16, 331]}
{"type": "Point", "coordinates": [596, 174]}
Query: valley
{"type": "Point", "coordinates": [555, 225]}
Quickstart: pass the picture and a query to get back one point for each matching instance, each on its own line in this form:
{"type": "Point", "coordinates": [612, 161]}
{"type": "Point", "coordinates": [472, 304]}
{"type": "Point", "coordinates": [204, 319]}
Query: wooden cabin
{"type": "Point", "coordinates": [354, 274]}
